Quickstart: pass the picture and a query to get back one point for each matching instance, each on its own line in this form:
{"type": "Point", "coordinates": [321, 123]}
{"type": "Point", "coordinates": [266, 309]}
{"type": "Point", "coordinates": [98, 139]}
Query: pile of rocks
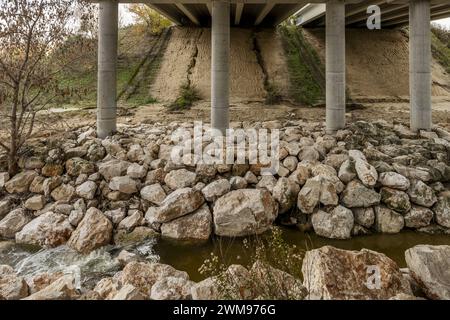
{"type": "Point", "coordinates": [325, 273]}
{"type": "Point", "coordinates": [87, 192]}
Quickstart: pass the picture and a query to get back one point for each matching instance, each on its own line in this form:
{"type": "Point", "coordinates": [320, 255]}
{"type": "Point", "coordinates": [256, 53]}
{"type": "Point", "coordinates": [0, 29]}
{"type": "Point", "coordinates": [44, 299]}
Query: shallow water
{"type": "Point", "coordinates": [190, 256]}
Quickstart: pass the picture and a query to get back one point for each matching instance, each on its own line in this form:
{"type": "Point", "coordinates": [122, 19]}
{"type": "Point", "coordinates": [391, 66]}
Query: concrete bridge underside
{"type": "Point", "coordinates": [220, 14]}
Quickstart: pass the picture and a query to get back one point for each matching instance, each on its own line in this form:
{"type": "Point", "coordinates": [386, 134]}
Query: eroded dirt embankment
{"type": "Point", "coordinates": [254, 58]}
{"type": "Point", "coordinates": [378, 64]}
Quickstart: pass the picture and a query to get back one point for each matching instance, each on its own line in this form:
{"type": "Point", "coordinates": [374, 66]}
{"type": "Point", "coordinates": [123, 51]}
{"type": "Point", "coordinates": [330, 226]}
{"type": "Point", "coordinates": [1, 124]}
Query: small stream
{"type": "Point", "coordinates": [190, 256]}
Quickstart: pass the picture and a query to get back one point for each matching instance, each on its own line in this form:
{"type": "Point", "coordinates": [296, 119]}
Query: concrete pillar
{"type": "Point", "coordinates": [420, 64]}
{"type": "Point", "coordinates": [335, 65]}
{"type": "Point", "coordinates": [107, 65]}
{"type": "Point", "coordinates": [220, 47]}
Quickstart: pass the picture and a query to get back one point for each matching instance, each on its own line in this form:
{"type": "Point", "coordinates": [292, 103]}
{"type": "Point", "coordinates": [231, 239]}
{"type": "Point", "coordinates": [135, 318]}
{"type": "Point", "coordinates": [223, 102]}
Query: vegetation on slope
{"type": "Point", "coordinates": [440, 45]}
{"type": "Point", "coordinates": [306, 72]}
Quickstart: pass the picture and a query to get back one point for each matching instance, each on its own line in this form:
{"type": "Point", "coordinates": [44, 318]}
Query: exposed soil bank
{"type": "Point", "coordinates": [378, 63]}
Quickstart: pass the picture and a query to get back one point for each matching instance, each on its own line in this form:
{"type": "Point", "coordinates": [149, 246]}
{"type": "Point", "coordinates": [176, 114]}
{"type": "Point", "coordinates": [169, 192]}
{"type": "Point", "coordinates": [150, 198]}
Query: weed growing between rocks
{"type": "Point", "coordinates": [188, 95]}
{"type": "Point", "coordinates": [273, 270]}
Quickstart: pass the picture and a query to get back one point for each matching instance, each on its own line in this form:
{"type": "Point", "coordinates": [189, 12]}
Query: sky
{"type": "Point", "coordinates": [127, 18]}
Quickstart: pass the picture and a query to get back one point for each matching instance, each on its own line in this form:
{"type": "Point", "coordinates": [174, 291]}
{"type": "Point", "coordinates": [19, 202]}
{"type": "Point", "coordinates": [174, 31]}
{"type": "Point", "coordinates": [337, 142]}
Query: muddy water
{"type": "Point", "coordinates": [190, 256]}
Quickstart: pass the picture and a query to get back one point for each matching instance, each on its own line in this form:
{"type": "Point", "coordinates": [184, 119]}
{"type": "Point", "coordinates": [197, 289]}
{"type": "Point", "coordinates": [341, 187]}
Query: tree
{"type": "Point", "coordinates": [31, 33]}
{"type": "Point", "coordinates": [148, 18]}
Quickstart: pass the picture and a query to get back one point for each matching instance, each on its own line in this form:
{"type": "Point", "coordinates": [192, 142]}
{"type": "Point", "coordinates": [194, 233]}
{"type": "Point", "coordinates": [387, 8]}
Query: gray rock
{"type": "Point", "coordinates": [136, 171]}
{"type": "Point", "coordinates": [35, 203]}
{"type": "Point", "coordinates": [5, 207]}
{"type": "Point", "coordinates": [357, 195]}
{"type": "Point", "coordinates": [153, 193]}
{"type": "Point", "coordinates": [395, 199]}
{"type": "Point", "coordinates": [267, 182]}
{"type": "Point", "coordinates": [418, 217]}
{"type": "Point", "coordinates": [128, 292]}
{"type": "Point", "coordinates": [216, 189]}
{"type": "Point", "coordinates": [394, 180]}
{"type": "Point", "coordinates": [48, 230]}
{"type": "Point", "coordinates": [430, 267]}
{"type": "Point", "coordinates": [131, 221]}
{"type": "Point", "coordinates": [194, 226]}
{"type": "Point", "coordinates": [177, 204]}
{"type": "Point", "coordinates": [336, 224]}
{"type": "Point", "coordinates": [285, 193]}
{"type": "Point", "coordinates": [181, 178]}
{"type": "Point", "coordinates": [316, 190]}
{"type": "Point", "coordinates": [421, 194]}
{"type": "Point", "coordinates": [237, 182]}
{"type": "Point", "coordinates": [113, 168]}
{"type": "Point", "coordinates": [4, 177]}
{"type": "Point", "coordinates": [123, 184]}
{"type": "Point", "coordinates": [12, 287]}
{"type": "Point", "coordinates": [347, 171]}
{"type": "Point", "coordinates": [171, 288]}
{"type": "Point", "coordinates": [244, 212]}
{"type": "Point", "coordinates": [387, 220]}
{"type": "Point", "coordinates": [94, 231]}
{"type": "Point", "coordinates": [442, 210]}
{"type": "Point", "coordinates": [75, 217]}
{"type": "Point", "coordinates": [64, 192]}
{"type": "Point", "coordinates": [87, 190]}
{"type": "Point", "coordinates": [20, 182]}
{"type": "Point", "coordinates": [365, 171]}
{"type": "Point", "coordinates": [13, 222]}
{"type": "Point", "coordinates": [364, 216]}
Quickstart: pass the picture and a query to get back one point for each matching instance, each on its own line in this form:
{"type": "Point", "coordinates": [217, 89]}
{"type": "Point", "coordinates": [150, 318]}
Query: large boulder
{"type": "Point", "coordinates": [395, 199]}
{"type": "Point", "coordinates": [87, 190]}
{"type": "Point", "coordinates": [143, 275]}
{"type": "Point", "coordinates": [20, 182]}
{"type": "Point", "coordinates": [335, 274]}
{"type": "Point", "coordinates": [421, 194]}
{"type": "Point", "coordinates": [64, 192]}
{"type": "Point", "coordinates": [442, 210]}
{"type": "Point", "coordinates": [77, 166]}
{"type": "Point", "coordinates": [365, 171]}
{"type": "Point", "coordinates": [171, 288]}
{"type": "Point", "coordinates": [153, 193]}
{"type": "Point", "coordinates": [430, 267]}
{"type": "Point", "coordinates": [181, 178]}
{"type": "Point", "coordinates": [364, 216]}
{"type": "Point", "coordinates": [113, 168]}
{"type": "Point", "coordinates": [94, 231]}
{"type": "Point", "coordinates": [394, 180]}
{"type": "Point", "coordinates": [175, 205]}
{"type": "Point", "coordinates": [336, 224]}
{"type": "Point", "coordinates": [244, 212]}
{"type": "Point", "coordinates": [216, 189]}
{"type": "Point", "coordinates": [61, 289]}
{"type": "Point", "coordinates": [285, 193]}
{"type": "Point", "coordinates": [13, 222]}
{"type": "Point", "coordinates": [318, 189]}
{"type": "Point", "coordinates": [194, 226]}
{"type": "Point", "coordinates": [49, 229]}
{"type": "Point", "coordinates": [12, 286]}
{"type": "Point", "coordinates": [418, 217]}
{"type": "Point", "coordinates": [387, 220]}
{"type": "Point", "coordinates": [124, 185]}
{"type": "Point", "coordinates": [356, 194]}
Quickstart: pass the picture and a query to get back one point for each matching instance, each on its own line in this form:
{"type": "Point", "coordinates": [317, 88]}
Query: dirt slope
{"type": "Point", "coordinates": [188, 58]}
{"type": "Point", "coordinates": [378, 64]}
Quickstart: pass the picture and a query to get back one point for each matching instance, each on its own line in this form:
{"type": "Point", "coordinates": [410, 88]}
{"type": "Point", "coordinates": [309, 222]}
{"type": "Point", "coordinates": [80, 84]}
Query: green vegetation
{"type": "Point", "coordinates": [267, 251]}
{"type": "Point", "coordinates": [305, 68]}
{"type": "Point", "coordinates": [440, 46]}
{"type": "Point", "coordinates": [188, 95]}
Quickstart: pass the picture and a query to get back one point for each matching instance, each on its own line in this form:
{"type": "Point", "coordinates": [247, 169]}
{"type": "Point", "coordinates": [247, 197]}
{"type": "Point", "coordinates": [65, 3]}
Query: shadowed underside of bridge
{"type": "Point", "coordinates": [394, 13]}
{"type": "Point", "coordinates": [269, 13]}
